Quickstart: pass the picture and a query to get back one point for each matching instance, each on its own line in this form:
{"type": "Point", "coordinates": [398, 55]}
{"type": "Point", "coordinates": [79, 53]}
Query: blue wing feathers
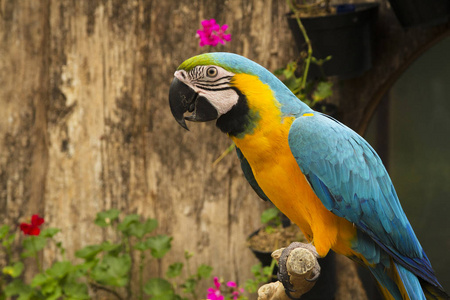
{"type": "Point", "coordinates": [349, 178]}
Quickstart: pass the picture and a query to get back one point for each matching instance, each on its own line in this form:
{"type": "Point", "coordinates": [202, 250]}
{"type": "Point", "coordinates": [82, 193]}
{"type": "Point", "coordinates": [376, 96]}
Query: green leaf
{"type": "Point", "coordinates": [105, 218]}
{"type": "Point", "coordinates": [60, 269]}
{"type": "Point", "coordinates": [278, 72]}
{"type": "Point", "coordinates": [174, 270]}
{"type": "Point", "coordinates": [51, 289]}
{"type": "Point", "coordinates": [141, 246]}
{"type": "Point", "coordinates": [89, 252]}
{"type": "Point", "coordinates": [124, 226]}
{"type": "Point", "coordinates": [32, 245]}
{"type": "Point", "coordinates": [140, 229]}
{"type": "Point", "coordinates": [8, 240]}
{"type": "Point", "coordinates": [4, 230]}
{"type": "Point", "coordinates": [251, 285]}
{"type": "Point", "coordinates": [322, 91]}
{"type": "Point", "coordinates": [267, 271]}
{"type": "Point", "coordinates": [76, 290]}
{"type": "Point", "coordinates": [270, 214]}
{"type": "Point", "coordinates": [204, 271]}
{"type": "Point", "coordinates": [189, 285]}
{"type": "Point", "coordinates": [188, 255]}
{"type": "Point", "coordinates": [18, 287]}
{"type": "Point", "coordinates": [113, 249]}
{"type": "Point", "coordinates": [15, 270]}
{"type": "Point", "coordinates": [49, 232]}
{"type": "Point", "coordinates": [40, 280]}
{"type": "Point", "coordinates": [87, 265]}
{"type": "Point", "coordinates": [256, 269]}
{"type": "Point", "coordinates": [112, 270]}
{"type": "Point", "coordinates": [159, 289]}
{"type": "Point", "coordinates": [159, 245]}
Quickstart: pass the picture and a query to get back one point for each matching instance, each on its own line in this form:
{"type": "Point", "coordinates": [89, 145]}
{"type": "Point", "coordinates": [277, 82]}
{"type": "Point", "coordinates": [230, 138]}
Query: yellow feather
{"type": "Point", "coordinates": [275, 169]}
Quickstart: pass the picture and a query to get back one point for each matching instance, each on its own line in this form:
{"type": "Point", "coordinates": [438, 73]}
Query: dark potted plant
{"type": "Point", "coordinates": [343, 32]}
{"type": "Point", "coordinates": [276, 232]}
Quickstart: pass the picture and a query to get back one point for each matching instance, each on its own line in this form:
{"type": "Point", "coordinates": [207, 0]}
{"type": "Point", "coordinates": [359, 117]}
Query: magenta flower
{"type": "Point", "coordinates": [214, 293]}
{"type": "Point", "coordinates": [234, 291]}
{"type": "Point", "coordinates": [213, 33]}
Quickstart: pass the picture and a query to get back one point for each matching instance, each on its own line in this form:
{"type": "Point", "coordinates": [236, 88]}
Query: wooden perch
{"type": "Point", "coordinates": [301, 265]}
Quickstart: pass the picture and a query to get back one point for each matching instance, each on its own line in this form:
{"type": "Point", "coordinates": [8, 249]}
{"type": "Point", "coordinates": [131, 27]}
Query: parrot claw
{"type": "Point", "coordinates": [288, 293]}
{"type": "Point", "coordinates": [283, 275]}
{"type": "Point", "coordinates": [315, 278]}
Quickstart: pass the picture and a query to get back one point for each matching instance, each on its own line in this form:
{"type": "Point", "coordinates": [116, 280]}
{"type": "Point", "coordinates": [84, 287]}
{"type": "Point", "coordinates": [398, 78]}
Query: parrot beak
{"type": "Point", "coordinates": [183, 99]}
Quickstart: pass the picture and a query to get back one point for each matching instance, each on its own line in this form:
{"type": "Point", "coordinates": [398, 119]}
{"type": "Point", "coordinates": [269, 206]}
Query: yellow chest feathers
{"type": "Point", "coordinates": [267, 150]}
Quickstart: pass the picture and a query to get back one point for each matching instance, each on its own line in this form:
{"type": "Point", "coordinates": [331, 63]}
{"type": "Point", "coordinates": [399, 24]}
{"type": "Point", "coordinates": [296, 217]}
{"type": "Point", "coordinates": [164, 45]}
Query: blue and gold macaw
{"type": "Point", "coordinates": [321, 174]}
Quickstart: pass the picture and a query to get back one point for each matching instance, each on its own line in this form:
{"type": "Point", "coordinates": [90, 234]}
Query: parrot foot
{"type": "Point", "coordinates": [314, 279]}
{"type": "Point", "coordinates": [283, 275]}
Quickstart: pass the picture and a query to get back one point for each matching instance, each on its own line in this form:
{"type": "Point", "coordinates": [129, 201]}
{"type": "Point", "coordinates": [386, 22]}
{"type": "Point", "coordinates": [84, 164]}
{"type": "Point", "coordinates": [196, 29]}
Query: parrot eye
{"type": "Point", "coordinates": [211, 72]}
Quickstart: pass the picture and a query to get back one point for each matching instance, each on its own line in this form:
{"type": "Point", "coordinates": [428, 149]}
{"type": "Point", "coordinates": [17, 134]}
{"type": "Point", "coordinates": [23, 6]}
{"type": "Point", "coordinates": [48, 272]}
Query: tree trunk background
{"type": "Point", "coordinates": [85, 124]}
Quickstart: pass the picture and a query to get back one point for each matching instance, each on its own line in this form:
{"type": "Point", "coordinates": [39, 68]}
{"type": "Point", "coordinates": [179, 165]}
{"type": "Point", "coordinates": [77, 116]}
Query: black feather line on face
{"type": "Point", "coordinates": [237, 120]}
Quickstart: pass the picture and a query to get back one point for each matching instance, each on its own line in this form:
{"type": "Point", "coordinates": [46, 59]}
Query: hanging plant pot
{"type": "Point", "coordinates": [345, 36]}
{"type": "Point", "coordinates": [262, 255]}
{"type": "Point", "coordinates": [263, 242]}
{"type": "Point", "coordinates": [421, 12]}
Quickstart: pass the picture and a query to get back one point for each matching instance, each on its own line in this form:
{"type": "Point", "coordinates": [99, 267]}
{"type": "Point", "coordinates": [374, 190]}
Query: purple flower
{"type": "Point", "coordinates": [213, 33]}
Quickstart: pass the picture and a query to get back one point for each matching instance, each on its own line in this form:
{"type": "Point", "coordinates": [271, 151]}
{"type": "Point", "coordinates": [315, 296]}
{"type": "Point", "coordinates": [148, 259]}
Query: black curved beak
{"type": "Point", "coordinates": [183, 99]}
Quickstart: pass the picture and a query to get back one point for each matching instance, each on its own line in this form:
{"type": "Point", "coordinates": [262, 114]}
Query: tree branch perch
{"type": "Point", "coordinates": [302, 267]}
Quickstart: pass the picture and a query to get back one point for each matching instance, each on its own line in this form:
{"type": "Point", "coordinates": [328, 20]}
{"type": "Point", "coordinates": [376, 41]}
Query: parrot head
{"type": "Point", "coordinates": [210, 87]}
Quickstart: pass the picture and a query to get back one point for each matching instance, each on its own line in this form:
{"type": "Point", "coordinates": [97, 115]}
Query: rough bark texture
{"type": "Point", "coordinates": [85, 124]}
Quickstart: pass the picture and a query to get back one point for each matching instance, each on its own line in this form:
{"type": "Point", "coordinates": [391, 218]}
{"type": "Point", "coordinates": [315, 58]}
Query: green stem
{"type": "Point", "coordinates": [141, 277]}
{"type": "Point", "coordinates": [225, 153]}
{"type": "Point", "coordinates": [272, 266]}
{"type": "Point", "coordinates": [36, 255]}
{"type": "Point", "coordinates": [9, 253]}
{"type": "Point", "coordinates": [188, 269]}
{"type": "Point", "coordinates": [308, 43]}
{"type": "Point", "coordinates": [128, 251]}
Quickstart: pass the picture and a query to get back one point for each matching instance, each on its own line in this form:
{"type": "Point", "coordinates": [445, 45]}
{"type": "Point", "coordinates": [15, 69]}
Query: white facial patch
{"type": "Point", "coordinates": [222, 100]}
{"type": "Point", "coordinates": [215, 88]}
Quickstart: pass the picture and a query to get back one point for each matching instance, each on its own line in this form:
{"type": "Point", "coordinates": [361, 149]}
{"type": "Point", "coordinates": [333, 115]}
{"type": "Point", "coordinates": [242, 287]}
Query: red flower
{"type": "Point", "coordinates": [33, 228]}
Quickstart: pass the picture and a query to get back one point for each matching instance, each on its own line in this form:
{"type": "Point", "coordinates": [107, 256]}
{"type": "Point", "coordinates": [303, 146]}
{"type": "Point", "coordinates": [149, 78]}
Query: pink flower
{"type": "Point", "coordinates": [213, 33]}
{"type": "Point", "coordinates": [214, 293]}
{"type": "Point", "coordinates": [237, 293]}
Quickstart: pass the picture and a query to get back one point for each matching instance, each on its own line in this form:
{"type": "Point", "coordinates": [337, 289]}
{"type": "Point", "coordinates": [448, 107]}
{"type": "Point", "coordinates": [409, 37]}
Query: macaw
{"type": "Point", "coordinates": [321, 174]}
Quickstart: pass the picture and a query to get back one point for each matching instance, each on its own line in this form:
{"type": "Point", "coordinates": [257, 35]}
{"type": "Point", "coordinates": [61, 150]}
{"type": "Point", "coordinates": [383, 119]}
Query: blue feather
{"type": "Point", "coordinates": [349, 178]}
